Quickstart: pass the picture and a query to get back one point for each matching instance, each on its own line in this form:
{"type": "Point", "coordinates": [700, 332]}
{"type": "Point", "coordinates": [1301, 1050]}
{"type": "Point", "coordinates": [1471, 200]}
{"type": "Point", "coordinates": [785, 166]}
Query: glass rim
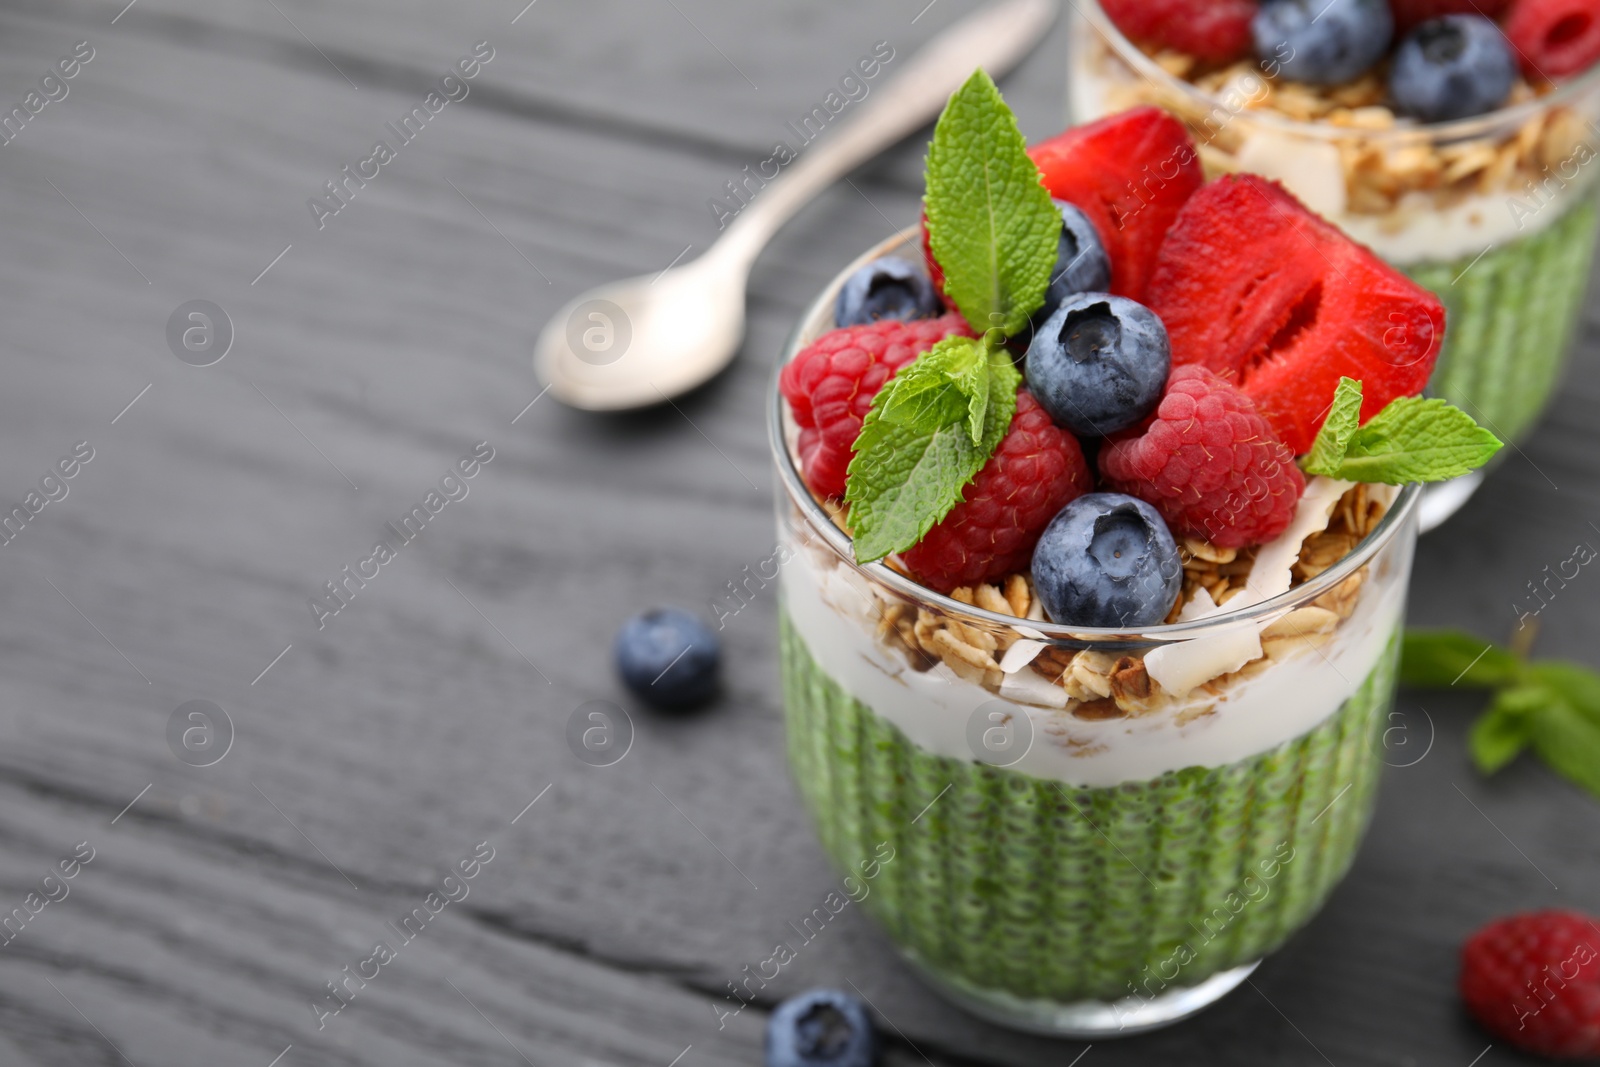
{"type": "Point", "coordinates": [1453, 130]}
{"type": "Point", "coordinates": [879, 573]}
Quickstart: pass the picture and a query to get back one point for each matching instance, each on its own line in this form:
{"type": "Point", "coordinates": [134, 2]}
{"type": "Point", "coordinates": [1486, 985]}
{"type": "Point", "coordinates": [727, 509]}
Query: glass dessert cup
{"type": "Point", "coordinates": [1495, 214]}
{"type": "Point", "coordinates": [1055, 840]}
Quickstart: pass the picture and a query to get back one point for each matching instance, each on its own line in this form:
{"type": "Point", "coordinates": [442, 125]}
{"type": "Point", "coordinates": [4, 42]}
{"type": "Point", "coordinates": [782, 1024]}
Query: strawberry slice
{"type": "Point", "coordinates": [1260, 290]}
{"type": "Point", "coordinates": [1131, 174]}
{"type": "Point", "coordinates": [1217, 31]}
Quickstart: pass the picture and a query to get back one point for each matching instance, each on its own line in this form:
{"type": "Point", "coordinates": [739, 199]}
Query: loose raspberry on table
{"type": "Point", "coordinates": [1037, 470]}
{"type": "Point", "coordinates": [1210, 463]}
{"type": "Point", "coordinates": [1534, 980]}
{"type": "Point", "coordinates": [831, 383]}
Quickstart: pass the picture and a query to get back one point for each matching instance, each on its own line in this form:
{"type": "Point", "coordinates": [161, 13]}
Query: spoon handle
{"type": "Point", "coordinates": [993, 38]}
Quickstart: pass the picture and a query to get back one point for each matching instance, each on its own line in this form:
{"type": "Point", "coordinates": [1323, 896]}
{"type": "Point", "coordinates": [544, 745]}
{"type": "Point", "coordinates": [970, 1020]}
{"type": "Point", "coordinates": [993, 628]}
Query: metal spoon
{"type": "Point", "coordinates": [644, 340]}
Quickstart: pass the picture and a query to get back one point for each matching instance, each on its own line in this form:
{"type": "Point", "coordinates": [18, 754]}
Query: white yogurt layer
{"type": "Point", "coordinates": [1417, 231]}
{"type": "Point", "coordinates": [835, 611]}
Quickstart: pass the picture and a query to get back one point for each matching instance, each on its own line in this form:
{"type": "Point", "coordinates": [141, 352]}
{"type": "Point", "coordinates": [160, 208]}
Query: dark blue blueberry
{"type": "Point", "coordinates": [1082, 265]}
{"type": "Point", "coordinates": [668, 658]}
{"type": "Point", "coordinates": [1324, 42]}
{"type": "Point", "coordinates": [1452, 68]}
{"type": "Point", "coordinates": [888, 288]}
{"type": "Point", "coordinates": [821, 1028]}
{"type": "Point", "coordinates": [1098, 364]}
{"type": "Point", "coordinates": [1107, 559]}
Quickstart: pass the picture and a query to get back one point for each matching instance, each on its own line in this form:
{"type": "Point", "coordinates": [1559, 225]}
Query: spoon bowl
{"type": "Point", "coordinates": [645, 340]}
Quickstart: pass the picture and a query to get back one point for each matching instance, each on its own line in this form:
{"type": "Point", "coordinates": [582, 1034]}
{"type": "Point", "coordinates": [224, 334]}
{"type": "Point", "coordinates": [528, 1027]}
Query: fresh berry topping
{"type": "Point", "coordinates": [1209, 463]}
{"type": "Point", "coordinates": [1098, 363]}
{"type": "Point", "coordinates": [831, 383]}
{"type": "Point", "coordinates": [1130, 174]}
{"type": "Point", "coordinates": [1107, 560]}
{"type": "Point", "coordinates": [935, 272]}
{"type": "Point", "coordinates": [1534, 980]}
{"type": "Point", "coordinates": [889, 288]}
{"type": "Point", "coordinates": [1082, 265]}
{"type": "Point", "coordinates": [1262, 291]}
{"type": "Point", "coordinates": [1451, 68]}
{"type": "Point", "coordinates": [1217, 31]}
{"type": "Point", "coordinates": [1323, 42]}
{"type": "Point", "coordinates": [668, 658]}
{"type": "Point", "coordinates": [1036, 470]}
{"type": "Point", "coordinates": [1409, 14]}
{"type": "Point", "coordinates": [1554, 38]}
{"type": "Point", "coordinates": [821, 1028]}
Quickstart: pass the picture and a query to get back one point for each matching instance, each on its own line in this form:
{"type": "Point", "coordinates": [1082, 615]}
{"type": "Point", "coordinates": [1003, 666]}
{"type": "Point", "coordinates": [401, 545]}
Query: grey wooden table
{"type": "Point", "coordinates": [370, 756]}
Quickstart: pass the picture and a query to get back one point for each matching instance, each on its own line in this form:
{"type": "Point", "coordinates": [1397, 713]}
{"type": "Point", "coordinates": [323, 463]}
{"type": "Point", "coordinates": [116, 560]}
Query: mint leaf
{"type": "Point", "coordinates": [991, 224]}
{"type": "Point", "coordinates": [1577, 685]}
{"type": "Point", "coordinates": [1416, 440]}
{"type": "Point", "coordinates": [1333, 440]}
{"type": "Point", "coordinates": [904, 478]}
{"type": "Point", "coordinates": [941, 384]}
{"type": "Point", "coordinates": [1502, 732]}
{"type": "Point", "coordinates": [1439, 659]}
{"type": "Point", "coordinates": [1569, 741]}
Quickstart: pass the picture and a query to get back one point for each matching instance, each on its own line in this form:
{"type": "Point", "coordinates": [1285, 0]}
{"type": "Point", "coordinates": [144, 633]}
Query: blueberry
{"type": "Point", "coordinates": [1324, 42]}
{"type": "Point", "coordinates": [888, 288]}
{"type": "Point", "coordinates": [668, 658]}
{"type": "Point", "coordinates": [1098, 363]}
{"type": "Point", "coordinates": [1452, 68]}
{"type": "Point", "coordinates": [1107, 559]}
{"type": "Point", "coordinates": [1082, 265]}
{"type": "Point", "coordinates": [821, 1028]}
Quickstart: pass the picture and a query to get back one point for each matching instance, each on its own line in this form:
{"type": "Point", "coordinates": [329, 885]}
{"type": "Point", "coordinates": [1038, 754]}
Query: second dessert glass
{"type": "Point", "coordinates": [1053, 842]}
{"type": "Point", "coordinates": [1496, 214]}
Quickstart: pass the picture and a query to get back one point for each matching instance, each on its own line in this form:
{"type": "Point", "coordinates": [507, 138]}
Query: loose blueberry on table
{"type": "Point", "coordinates": [821, 1028]}
{"type": "Point", "coordinates": [668, 658]}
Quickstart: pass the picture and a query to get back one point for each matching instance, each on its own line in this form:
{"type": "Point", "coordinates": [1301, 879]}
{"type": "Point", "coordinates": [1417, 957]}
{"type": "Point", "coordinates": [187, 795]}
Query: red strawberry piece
{"type": "Point", "coordinates": [1037, 470]}
{"type": "Point", "coordinates": [1554, 38]}
{"type": "Point", "coordinates": [1262, 291]}
{"type": "Point", "coordinates": [1209, 463]}
{"type": "Point", "coordinates": [1217, 31]}
{"type": "Point", "coordinates": [1131, 174]}
{"type": "Point", "coordinates": [1534, 980]}
{"type": "Point", "coordinates": [1409, 14]}
{"type": "Point", "coordinates": [831, 383]}
{"type": "Point", "coordinates": [935, 272]}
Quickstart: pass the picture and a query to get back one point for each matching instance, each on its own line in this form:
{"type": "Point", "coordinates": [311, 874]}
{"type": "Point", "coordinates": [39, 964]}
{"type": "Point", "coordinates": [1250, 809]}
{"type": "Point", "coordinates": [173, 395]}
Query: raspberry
{"type": "Point", "coordinates": [1534, 980]}
{"type": "Point", "coordinates": [831, 383]}
{"type": "Point", "coordinates": [1554, 38]}
{"type": "Point", "coordinates": [1409, 14]}
{"type": "Point", "coordinates": [1209, 463]}
{"type": "Point", "coordinates": [1217, 31]}
{"type": "Point", "coordinates": [1037, 470]}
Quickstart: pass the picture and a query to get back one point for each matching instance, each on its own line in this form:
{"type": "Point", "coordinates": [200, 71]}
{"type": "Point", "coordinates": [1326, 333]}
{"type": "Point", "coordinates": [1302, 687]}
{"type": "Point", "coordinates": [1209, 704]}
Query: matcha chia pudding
{"type": "Point", "coordinates": [1092, 613]}
{"type": "Point", "coordinates": [1453, 137]}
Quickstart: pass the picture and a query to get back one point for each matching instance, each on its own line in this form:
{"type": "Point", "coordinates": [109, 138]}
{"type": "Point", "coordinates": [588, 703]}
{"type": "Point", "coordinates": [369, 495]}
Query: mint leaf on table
{"type": "Point", "coordinates": [991, 224]}
{"type": "Point", "coordinates": [1439, 659]}
{"type": "Point", "coordinates": [996, 234]}
{"type": "Point", "coordinates": [1333, 440]}
{"type": "Point", "coordinates": [906, 476]}
{"type": "Point", "coordinates": [1551, 706]}
{"type": "Point", "coordinates": [1413, 439]}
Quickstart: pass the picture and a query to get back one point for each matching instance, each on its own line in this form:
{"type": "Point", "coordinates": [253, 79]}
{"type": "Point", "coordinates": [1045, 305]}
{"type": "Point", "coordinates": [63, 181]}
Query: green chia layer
{"type": "Point", "coordinates": [1034, 887]}
{"type": "Point", "coordinates": [1509, 319]}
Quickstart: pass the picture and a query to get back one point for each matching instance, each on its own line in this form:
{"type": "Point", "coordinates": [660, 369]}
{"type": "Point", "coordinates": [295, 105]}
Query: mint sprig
{"type": "Point", "coordinates": [1550, 706]}
{"type": "Point", "coordinates": [1413, 439]}
{"type": "Point", "coordinates": [917, 449]}
{"type": "Point", "coordinates": [991, 224]}
{"type": "Point", "coordinates": [995, 233]}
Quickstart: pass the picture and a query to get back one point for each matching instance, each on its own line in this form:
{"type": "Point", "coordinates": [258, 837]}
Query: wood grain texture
{"type": "Point", "coordinates": [378, 751]}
